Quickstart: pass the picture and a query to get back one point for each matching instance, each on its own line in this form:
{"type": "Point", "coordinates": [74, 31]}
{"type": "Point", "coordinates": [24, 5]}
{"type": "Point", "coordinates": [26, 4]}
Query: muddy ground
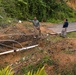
{"type": "Point", "coordinates": [61, 50]}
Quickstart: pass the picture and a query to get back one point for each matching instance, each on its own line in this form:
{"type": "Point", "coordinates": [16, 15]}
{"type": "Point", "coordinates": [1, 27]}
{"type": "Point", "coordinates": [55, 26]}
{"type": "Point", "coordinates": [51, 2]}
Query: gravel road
{"type": "Point", "coordinates": [58, 28]}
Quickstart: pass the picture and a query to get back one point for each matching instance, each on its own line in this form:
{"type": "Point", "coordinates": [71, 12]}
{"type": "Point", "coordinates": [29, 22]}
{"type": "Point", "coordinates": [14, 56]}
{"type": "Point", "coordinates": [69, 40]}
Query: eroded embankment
{"type": "Point", "coordinates": [62, 53]}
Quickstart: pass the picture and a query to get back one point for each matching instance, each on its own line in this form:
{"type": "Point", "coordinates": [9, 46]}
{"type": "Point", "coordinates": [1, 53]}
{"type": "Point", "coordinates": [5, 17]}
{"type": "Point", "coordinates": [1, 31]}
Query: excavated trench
{"type": "Point", "coordinates": [17, 41]}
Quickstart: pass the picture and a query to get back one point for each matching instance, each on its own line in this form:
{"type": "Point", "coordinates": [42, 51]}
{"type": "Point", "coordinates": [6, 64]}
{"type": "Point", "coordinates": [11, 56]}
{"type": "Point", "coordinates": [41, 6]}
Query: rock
{"type": "Point", "coordinates": [23, 58]}
{"type": "Point", "coordinates": [47, 34]}
{"type": "Point", "coordinates": [19, 21]}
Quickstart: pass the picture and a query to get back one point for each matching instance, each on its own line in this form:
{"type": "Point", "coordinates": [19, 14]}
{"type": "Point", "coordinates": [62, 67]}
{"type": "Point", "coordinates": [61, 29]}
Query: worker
{"type": "Point", "coordinates": [36, 25]}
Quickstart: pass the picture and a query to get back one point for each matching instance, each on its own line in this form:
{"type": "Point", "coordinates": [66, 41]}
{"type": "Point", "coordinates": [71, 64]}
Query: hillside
{"type": "Point", "coordinates": [56, 54]}
{"type": "Point", "coordinates": [72, 4]}
{"type": "Point", "coordinates": [52, 10]}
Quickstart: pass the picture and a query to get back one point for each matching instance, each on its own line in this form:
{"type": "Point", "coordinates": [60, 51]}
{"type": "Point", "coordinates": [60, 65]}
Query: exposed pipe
{"type": "Point", "coordinates": [7, 46]}
{"type": "Point", "coordinates": [20, 49]}
{"type": "Point", "coordinates": [14, 34]}
{"type": "Point", "coordinates": [12, 41]}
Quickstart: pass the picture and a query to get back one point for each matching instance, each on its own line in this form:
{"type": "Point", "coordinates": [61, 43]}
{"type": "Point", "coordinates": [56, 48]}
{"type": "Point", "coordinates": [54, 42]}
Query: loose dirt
{"type": "Point", "coordinates": [62, 52]}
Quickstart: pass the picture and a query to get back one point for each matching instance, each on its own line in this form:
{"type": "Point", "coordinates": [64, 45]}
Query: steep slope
{"type": "Point", "coordinates": [72, 3]}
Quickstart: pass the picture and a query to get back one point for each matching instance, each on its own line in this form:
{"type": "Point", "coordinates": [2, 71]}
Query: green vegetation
{"type": "Point", "coordinates": [55, 38]}
{"type": "Point", "coordinates": [71, 35]}
{"type": "Point", "coordinates": [40, 64]}
{"type": "Point", "coordinates": [6, 71]}
{"type": "Point", "coordinates": [51, 10]}
{"type": "Point", "coordinates": [39, 72]}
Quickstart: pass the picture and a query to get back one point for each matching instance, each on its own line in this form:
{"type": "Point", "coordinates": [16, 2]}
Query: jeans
{"type": "Point", "coordinates": [35, 30]}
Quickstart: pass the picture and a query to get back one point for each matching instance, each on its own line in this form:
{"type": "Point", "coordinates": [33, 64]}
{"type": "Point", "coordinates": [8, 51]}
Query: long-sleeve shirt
{"type": "Point", "coordinates": [65, 24]}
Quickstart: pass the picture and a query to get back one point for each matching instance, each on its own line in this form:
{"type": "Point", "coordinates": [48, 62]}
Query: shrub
{"type": "Point", "coordinates": [39, 72]}
{"type": "Point", "coordinates": [6, 71]}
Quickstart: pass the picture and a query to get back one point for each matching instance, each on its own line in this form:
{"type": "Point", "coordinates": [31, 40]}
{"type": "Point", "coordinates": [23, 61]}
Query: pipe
{"type": "Point", "coordinates": [20, 49]}
{"type": "Point", "coordinates": [12, 41]}
{"type": "Point", "coordinates": [15, 34]}
{"type": "Point", "coordinates": [7, 46]}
